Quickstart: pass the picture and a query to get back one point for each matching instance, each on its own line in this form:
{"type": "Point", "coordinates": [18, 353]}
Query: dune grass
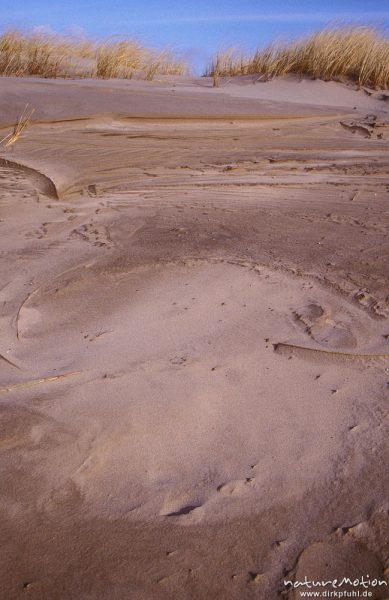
{"type": "Point", "coordinates": [36, 54]}
{"type": "Point", "coordinates": [20, 125]}
{"type": "Point", "coordinates": [128, 59]}
{"type": "Point", "coordinates": [356, 54]}
{"type": "Point", "coordinates": [51, 56]}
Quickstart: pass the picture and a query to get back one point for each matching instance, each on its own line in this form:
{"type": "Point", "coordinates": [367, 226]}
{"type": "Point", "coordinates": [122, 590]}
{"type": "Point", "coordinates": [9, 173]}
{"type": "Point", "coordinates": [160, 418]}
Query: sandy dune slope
{"type": "Point", "coordinates": [194, 355]}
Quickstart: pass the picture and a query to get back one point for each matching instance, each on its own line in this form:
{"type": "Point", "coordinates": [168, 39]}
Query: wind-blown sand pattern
{"type": "Point", "coordinates": [195, 343]}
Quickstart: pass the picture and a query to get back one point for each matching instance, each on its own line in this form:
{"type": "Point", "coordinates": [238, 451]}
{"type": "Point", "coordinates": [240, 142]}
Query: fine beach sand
{"type": "Point", "coordinates": [194, 368]}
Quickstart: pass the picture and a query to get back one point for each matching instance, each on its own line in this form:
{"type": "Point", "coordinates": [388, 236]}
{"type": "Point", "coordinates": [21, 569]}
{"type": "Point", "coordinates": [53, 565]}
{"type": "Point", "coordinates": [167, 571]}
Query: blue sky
{"type": "Point", "coordinates": [195, 28]}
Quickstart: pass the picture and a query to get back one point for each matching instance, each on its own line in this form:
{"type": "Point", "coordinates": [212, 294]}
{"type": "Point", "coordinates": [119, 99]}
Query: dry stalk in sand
{"type": "Point", "coordinates": [324, 351]}
{"type": "Point", "coordinates": [215, 74]}
{"type": "Point", "coordinates": [20, 126]}
{"type": "Point", "coordinates": [32, 382]}
{"type": "Point", "coordinates": [5, 359]}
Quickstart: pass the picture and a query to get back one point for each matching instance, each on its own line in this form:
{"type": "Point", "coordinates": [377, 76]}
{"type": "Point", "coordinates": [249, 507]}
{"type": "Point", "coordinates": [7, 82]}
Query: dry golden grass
{"type": "Point", "coordinates": [128, 59]}
{"type": "Point", "coordinates": [37, 54]}
{"type": "Point", "coordinates": [20, 126]}
{"type": "Point", "coordinates": [51, 56]}
{"type": "Point", "coordinates": [358, 54]}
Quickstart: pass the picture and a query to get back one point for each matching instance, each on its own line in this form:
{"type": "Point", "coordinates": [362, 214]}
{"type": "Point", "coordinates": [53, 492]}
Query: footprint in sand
{"type": "Point", "coordinates": [326, 329]}
{"type": "Point", "coordinates": [237, 486]}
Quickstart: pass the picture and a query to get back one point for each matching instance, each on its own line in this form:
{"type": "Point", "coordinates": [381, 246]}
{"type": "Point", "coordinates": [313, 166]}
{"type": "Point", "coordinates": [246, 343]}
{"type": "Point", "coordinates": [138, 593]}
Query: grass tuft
{"type": "Point", "coordinates": [20, 126]}
{"type": "Point", "coordinates": [51, 56]}
{"type": "Point", "coordinates": [356, 54]}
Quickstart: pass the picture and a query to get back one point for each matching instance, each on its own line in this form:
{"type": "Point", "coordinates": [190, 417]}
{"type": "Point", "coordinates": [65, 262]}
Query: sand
{"type": "Point", "coordinates": [194, 338]}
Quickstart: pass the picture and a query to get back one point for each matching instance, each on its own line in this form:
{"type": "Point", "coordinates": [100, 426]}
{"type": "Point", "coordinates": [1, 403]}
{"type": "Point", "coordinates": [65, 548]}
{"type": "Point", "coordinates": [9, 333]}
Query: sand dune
{"type": "Point", "coordinates": [195, 346]}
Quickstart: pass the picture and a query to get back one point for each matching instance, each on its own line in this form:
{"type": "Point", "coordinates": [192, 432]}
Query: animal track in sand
{"type": "Point", "coordinates": [47, 230]}
{"type": "Point", "coordinates": [93, 233]}
{"type": "Point", "coordinates": [93, 190]}
{"type": "Point", "coordinates": [178, 360]}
